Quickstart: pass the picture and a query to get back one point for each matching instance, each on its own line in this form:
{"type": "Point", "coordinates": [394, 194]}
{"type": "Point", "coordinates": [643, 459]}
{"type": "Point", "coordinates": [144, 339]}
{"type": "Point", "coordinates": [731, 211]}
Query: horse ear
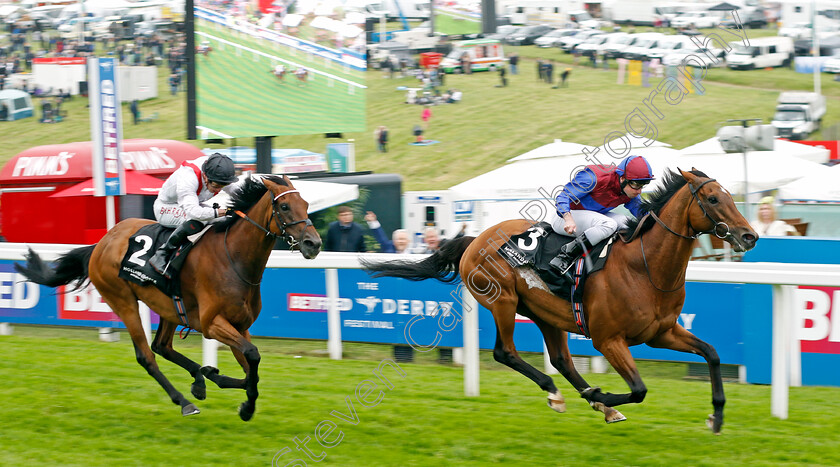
{"type": "Point", "coordinates": [688, 176]}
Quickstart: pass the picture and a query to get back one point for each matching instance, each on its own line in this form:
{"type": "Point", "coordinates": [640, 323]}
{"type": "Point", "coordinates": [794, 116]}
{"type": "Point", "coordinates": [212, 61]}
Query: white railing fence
{"type": "Point", "coordinates": [784, 277]}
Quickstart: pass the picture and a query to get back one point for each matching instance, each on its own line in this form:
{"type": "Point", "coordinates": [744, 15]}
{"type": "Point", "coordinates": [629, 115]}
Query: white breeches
{"type": "Point", "coordinates": [170, 215]}
{"type": "Point", "coordinates": [595, 225]}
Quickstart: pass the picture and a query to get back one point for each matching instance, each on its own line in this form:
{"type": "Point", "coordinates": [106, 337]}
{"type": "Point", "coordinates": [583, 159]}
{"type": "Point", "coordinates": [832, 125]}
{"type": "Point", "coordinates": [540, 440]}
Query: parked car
{"type": "Point", "coordinates": [832, 65]}
{"type": "Point", "coordinates": [616, 48]}
{"type": "Point", "coordinates": [755, 18]}
{"type": "Point", "coordinates": [696, 19]}
{"type": "Point", "coordinates": [670, 44]}
{"type": "Point", "coordinates": [527, 35]}
{"type": "Point", "coordinates": [502, 32]}
{"type": "Point", "coordinates": [596, 44]}
{"type": "Point", "coordinates": [805, 31]}
{"type": "Point", "coordinates": [708, 58]}
{"type": "Point", "coordinates": [74, 25]}
{"type": "Point", "coordinates": [569, 43]}
{"type": "Point", "coordinates": [829, 46]}
{"type": "Point", "coordinates": [552, 39]}
{"type": "Point", "coordinates": [645, 41]}
{"type": "Point", "coordinates": [583, 19]}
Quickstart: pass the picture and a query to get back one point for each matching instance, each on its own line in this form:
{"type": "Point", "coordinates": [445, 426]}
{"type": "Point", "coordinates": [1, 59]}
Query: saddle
{"type": "Point", "coordinates": [538, 245]}
{"type": "Point", "coordinates": [141, 247]}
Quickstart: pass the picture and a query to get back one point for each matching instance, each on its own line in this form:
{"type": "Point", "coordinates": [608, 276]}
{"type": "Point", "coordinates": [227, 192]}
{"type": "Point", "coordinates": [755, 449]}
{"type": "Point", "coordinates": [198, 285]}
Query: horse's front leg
{"type": "Point", "coordinates": [221, 330]}
{"type": "Point", "coordinates": [677, 338]}
{"type": "Point", "coordinates": [618, 354]}
{"type": "Point", "coordinates": [558, 350]}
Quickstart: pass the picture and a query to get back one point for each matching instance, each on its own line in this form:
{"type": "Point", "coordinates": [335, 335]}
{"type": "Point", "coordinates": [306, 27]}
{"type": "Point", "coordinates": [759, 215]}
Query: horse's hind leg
{"type": "Point", "coordinates": [221, 330]}
{"type": "Point", "coordinates": [162, 345]}
{"type": "Point", "coordinates": [678, 338]}
{"type": "Point", "coordinates": [505, 353]}
{"type": "Point", "coordinates": [556, 341]}
{"type": "Point", "coordinates": [146, 358]}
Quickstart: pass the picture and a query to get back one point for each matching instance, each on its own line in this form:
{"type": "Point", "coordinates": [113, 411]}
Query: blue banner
{"type": "Point", "coordinates": [106, 128]}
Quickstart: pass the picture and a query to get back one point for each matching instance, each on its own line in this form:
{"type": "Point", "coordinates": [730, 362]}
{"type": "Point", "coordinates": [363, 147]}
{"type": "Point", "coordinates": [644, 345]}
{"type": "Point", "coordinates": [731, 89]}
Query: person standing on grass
{"type": "Point", "coordinates": [514, 63]}
{"type": "Point", "coordinates": [382, 138]}
{"type": "Point", "coordinates": [426, 116]}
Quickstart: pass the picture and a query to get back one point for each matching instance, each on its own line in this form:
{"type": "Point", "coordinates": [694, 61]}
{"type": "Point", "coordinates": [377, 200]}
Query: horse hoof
{"type": "Point", "coordinates": [209, 371]}
{"type": "Point", "coordinates": [715, 427]}
{"type": "Point", "coordinates": [613, 416]}
{"type": "Point", "coordinates": [189, 409]}
{"type": "Point", "coordinates": [246, 411]}
{"type": "Point", "coordinates": [199, 391]}
{"type": "Point", "coordinates": [557, 403]}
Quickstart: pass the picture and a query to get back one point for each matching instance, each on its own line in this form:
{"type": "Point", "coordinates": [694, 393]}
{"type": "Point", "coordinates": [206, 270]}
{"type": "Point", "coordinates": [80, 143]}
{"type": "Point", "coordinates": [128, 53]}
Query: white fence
{"type": "Point", "coordinates": [784, 278]}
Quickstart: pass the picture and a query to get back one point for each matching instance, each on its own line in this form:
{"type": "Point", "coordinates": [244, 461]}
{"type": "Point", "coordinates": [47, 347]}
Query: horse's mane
{"type": "Point", "coordinates": [246, 195]}
{"type": "Point", "coordinates": [673, 181]}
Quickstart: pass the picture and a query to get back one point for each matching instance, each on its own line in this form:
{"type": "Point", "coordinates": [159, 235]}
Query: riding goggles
{"type": "Point", "coordinates": [637, 184]}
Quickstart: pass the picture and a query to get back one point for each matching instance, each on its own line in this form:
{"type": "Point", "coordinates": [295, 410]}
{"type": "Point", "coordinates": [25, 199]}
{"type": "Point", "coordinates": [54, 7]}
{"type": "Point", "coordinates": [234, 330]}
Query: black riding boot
{"type": "Point", "coordinates": [160, 260]}
{"type": "Point", "coordinates": [568, 254]}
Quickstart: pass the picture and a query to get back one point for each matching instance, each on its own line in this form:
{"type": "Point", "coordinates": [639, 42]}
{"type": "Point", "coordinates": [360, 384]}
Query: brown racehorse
{"type": "Point", "coordinates": [635, 299]}
{"type": "Point", "coordinates": [219, 280]}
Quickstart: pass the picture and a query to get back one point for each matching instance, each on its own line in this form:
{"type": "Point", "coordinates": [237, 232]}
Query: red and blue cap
{"type": "Point", "coordinates": [635, 168]}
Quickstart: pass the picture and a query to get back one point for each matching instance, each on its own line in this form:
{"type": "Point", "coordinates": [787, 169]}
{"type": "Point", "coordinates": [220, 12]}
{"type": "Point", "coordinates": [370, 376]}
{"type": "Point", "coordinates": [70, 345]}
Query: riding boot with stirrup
{"type": "Point", "coordinates": [568, 254]}
{"type": "Point", "coordinates": [160, 261]}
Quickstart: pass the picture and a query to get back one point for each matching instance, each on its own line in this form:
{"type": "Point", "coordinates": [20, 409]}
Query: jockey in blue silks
{"type": "Point", "coordinates": [584, 205]}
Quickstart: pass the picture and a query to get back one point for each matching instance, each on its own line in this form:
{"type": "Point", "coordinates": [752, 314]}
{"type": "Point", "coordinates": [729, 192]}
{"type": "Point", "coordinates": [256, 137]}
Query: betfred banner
{"type": "Point", "coordinates": [818, 313]}
{"type": "Point", "coordinates": [105, 128]}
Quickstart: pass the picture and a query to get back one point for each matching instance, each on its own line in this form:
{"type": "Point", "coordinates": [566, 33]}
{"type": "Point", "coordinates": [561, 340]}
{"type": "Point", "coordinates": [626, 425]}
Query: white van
{"type": "Point", "coordinates": [761, 53]}
{"type": "Point", "coordinates": [483, 55]}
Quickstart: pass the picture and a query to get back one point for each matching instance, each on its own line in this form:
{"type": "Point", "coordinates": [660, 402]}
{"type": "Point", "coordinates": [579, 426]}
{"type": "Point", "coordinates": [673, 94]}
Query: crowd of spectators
{"type": "Point", "coordinates": [23, 45]}
{"type": "Point", "coordinates": [345, 235]}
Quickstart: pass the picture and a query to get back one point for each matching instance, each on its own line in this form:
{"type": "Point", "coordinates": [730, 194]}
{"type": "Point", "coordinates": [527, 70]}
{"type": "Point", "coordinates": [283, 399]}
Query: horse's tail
{"type": "Point", "coordinates": [442, 265]}
{"type": "Point", "coordinates": [70, 267]}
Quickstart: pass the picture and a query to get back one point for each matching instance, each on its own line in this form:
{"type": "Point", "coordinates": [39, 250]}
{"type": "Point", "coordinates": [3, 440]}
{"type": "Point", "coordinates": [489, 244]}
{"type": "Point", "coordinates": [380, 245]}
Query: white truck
{"type": "Point", "coordinates": [798, 114]}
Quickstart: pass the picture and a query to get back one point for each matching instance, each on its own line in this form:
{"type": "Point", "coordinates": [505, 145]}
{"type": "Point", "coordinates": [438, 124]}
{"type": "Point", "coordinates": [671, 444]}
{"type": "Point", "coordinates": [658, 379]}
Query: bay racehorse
{"type": "Point", "coordinates": [636, 298]}
{"type": "Point", "coordinates": [219, 283]}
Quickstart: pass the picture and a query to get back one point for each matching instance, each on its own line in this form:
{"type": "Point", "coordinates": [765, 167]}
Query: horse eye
{"type": "Point", "coordinates": [713, 200]}
{"type": "Point", "coordinates": [284, 207]}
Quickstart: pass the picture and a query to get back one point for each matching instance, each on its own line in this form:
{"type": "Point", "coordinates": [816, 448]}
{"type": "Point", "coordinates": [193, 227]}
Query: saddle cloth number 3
{"type": "Point", "coordinates": [534, 233]}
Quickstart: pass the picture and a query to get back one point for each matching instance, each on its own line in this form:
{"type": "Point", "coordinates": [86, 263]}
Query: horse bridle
{"type": "Point", "coordinates": [282, 225]}
{"type": "Point", "coordinates": [714, 230]}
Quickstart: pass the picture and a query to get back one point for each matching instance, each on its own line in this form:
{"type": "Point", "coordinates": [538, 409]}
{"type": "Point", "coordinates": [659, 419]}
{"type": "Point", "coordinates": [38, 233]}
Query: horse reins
{"type": "Point", "coordinates": [280, 225]}
{"type": "Point", "coordinates": [697, 234]}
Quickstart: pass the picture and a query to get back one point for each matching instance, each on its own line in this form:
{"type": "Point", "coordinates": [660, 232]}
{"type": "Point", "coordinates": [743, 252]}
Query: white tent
{"type": "Point", "coordinates": [323, 22]}
{"type": "Point", "coordinates": [766, 170]}
{"type": "Point", "coordinates": [292, 20]}
{"type": "Point", "coordinates": [788, 148]}
{"type": "Point", "coordinates": [321, 195]}
{"type": "Point", "coordinates": [536, 179]}
{"type": "Point", "coordinates": [822, 187]}
{"type": "Point", "coordinates": [555, 149]}
{"type": "Point", "coordinates": [354, 17]}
